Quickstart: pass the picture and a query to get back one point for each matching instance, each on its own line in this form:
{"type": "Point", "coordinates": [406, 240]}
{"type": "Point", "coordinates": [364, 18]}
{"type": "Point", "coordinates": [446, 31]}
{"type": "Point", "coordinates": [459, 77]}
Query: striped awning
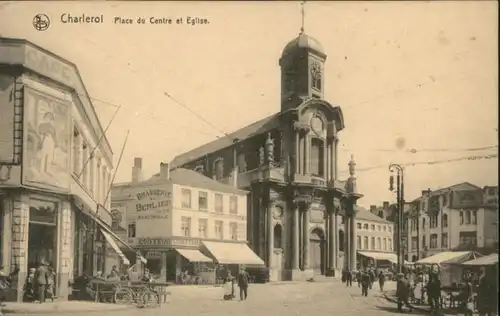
{"type": "Point", "coordinates": [115, 246]}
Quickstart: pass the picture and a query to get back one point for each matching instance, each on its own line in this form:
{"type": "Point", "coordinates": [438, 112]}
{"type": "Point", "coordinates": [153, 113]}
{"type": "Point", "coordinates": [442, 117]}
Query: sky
{"type": "Point", "coordinates": [416, 81]}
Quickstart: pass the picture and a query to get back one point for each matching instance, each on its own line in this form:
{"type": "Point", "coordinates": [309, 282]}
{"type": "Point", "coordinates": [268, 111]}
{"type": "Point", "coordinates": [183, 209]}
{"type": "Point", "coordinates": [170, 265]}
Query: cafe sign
{"type": "Point", "coordinates": [167, 242]}
{"type": "Point", "coordinates": [153, 203]}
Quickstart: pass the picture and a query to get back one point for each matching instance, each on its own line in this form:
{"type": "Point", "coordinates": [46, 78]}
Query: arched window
{"type": "Point", "coordinates": [379, 243]}
{"type": "Point", "coordinates": [341, 240]}
{"type": "Point", "coordinates": [317, 157]}
{"type": "Point", "coordinates": [444, 219]}
{"type": "Point", "coordinates": [278, 243]}
{"type": "Point", "coordinates": [358, 240]}
{"type": "Point", "coordinates": [365, 242]}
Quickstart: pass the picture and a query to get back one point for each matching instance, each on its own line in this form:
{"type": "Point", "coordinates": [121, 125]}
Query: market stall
{"type": "Point", "coordinates": [450, 264]}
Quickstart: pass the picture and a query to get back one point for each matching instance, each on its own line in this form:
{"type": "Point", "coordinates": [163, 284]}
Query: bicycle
{"type": "Point", "coordinates": [143, 296]}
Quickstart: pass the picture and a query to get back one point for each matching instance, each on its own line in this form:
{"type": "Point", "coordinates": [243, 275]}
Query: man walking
{"type": "Point", "coordinates": [42, 275]}
{"type": "Point", "coordinates": [243, 284]}
{"type": "Point", "coordinates": [365, 283]}
{"type": "Point", "coordinates": [348, 278]}
{"type": "Point", "coordinates": [403, 292]}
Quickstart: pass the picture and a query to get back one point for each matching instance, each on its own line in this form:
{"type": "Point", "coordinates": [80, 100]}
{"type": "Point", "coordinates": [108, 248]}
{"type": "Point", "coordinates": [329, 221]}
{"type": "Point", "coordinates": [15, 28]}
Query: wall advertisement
{"type": "Point", "coordinates": [47, 135]}
{"type": "Point", "coordinates": [152, 206]}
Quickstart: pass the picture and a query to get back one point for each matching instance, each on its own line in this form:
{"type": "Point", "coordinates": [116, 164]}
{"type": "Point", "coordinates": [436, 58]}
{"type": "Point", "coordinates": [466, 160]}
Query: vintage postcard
{"type": "Point", "coordinates": [172, 157]}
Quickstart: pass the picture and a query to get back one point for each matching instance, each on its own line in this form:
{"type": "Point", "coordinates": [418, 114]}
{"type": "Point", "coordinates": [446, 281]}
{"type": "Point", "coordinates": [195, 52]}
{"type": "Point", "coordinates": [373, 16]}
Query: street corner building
{"type": "Point", "coordinates": [289, 164]}
{"type": "Point", "coordinates": [55, 171]}
{"type": "Point", "coordinates": [190, 228]}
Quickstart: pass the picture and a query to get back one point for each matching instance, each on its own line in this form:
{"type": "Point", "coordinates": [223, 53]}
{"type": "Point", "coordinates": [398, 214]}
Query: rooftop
{"type": "Point", "coordinates": [365, 215]}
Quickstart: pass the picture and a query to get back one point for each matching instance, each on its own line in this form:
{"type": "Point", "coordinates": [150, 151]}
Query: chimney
{"type": "Point", "coordinates": [385, 204]}
{"type": "Point", "coordinates": [137, 170]}
{"type": "Point", "coordinates": [164, 170]}
{"type": "Point", "coordinates": [373, 209]}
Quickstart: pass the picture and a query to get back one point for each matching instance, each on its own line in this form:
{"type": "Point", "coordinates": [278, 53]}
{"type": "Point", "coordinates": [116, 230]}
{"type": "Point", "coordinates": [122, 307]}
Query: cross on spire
{"type": "Point", "coordinates": [303, 15]}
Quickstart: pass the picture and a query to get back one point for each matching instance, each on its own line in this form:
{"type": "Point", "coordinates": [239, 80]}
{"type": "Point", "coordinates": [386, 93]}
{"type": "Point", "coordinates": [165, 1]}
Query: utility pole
{"type": "Point", "coordinates": [400, 206]}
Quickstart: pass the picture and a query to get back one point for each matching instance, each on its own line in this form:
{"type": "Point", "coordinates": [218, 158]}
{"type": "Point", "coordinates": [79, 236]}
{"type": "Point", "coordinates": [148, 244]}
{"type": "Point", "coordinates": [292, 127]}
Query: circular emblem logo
{"type": "Point", "coordinates": [317, 125]}
{"type": "Point", "coordinates": [41, 22]}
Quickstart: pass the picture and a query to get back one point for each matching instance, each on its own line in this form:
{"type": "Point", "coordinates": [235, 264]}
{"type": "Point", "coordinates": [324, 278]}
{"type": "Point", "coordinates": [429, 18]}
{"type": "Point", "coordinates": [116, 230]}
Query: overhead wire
{"type": "Point", "coordinates": [200, 117]}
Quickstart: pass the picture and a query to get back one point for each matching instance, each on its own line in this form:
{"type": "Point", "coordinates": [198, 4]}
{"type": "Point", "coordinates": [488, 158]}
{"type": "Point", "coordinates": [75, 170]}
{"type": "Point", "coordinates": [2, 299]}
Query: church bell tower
{"type": "Point", "coordinates": [302, 70]}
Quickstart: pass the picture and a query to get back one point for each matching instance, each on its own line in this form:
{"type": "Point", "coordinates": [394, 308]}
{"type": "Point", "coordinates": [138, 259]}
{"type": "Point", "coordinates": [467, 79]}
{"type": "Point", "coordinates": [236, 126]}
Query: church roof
{"type": "Point", "coordinates": [248, 131]}
{"type": "Point", "coordinates": [303, 41]}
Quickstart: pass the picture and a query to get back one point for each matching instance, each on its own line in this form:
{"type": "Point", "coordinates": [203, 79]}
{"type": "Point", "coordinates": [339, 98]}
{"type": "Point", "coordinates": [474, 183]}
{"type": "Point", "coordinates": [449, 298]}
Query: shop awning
{"type": "Point", "coordinates": [449, 257]}
{"type": "Point", "coordinates": [113, 245]}
{"type": "Point", "coordinates": [232, 253]}
{"type": "Point", "coordinates": [489, 260]}
{"type": "Point", "coordinates": [387, 256]}
{"type": "Point", "coordinates": [193, 255]}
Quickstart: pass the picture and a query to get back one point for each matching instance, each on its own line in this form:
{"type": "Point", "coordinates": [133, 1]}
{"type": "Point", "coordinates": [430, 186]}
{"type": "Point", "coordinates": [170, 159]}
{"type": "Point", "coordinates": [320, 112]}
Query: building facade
{"type": "Point", "coordinates": [289, 164]}
{"type": "Point", "coordinates": [374, 239]}
{"type": "Point", "coordinates": [459, 217]}
{"type": "Point", "coordinates": [183, 220]}
{"type": "Point", "coordinates": [54, 171]}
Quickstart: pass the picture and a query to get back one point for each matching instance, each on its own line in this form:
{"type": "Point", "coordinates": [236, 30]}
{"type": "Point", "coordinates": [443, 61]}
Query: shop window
{"type": "Point", "coordinates": [233, 205]}
{"type": "Point", "coordinates": [202, 200]}
{"type": "Point", "coordinates": [317, 157]}
{"type": "Point", "coordinates": [186, 198]}
{"type": "Point", "coordinates": [186, 226]}
{"type": "Point", "coordinates": [233, 231]}
{"type": "Point", "coordinates": [218, 203]}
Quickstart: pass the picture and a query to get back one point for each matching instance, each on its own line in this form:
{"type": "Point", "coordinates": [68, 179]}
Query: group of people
{"type": "Point", "coordinates": [40, 283]}
{"type": "Point", "coordinates": [242, 280]}
{"type": "Point", "coordinates": [365, 279]}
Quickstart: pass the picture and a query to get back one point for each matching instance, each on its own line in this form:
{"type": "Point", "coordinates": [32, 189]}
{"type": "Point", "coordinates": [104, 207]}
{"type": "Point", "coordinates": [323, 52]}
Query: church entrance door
{"type": "Point", "coordinates": [317, 251]}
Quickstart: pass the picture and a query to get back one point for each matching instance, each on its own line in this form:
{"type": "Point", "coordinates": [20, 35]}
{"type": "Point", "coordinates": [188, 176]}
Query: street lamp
{"type": "Point", "coordinates": [400, 205]}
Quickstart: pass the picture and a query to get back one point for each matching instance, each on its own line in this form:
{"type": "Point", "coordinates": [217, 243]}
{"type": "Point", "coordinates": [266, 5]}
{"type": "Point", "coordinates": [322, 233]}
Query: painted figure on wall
{"type": "Point", "coordinates": [47, 141]}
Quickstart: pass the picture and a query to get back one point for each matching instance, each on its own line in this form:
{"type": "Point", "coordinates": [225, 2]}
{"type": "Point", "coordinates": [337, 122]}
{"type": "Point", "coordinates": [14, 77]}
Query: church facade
{"type": "Point", "coordinates": [301, 216]}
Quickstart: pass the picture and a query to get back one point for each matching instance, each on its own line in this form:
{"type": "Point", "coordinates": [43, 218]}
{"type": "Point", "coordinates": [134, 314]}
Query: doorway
{"type": "Point", "coordinates": [42, 234]}
{"type": "Point", "coordinates": [318, 255]}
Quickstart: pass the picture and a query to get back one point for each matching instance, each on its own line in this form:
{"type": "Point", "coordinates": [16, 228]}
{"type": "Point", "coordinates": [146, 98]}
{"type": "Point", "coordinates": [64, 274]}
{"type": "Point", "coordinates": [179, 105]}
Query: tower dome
{"type": "Point", "coordinates": [303, 41]}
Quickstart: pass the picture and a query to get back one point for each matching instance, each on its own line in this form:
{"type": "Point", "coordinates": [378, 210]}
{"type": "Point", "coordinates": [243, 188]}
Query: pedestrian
{"type": "Point", "coordinates": [485, 291]}
{"type": "Point", "coordinates": [243, 284]}
{"type": "Point", "coordinates": [358, 277]}
{"type": "Point", "coordinates": [434, 288]}
{"type": "Point", "coordinates": [50, 291]}
{"type": "Point", "coordinates": [371, 273]}
{"type": "Point", "coordinates": [365, 283]}
{"type": "Point", "coordinates": [402, 293]}
{"type": "Point", "coordinates": [42, 275]}
{"type": "Point", "coordinates": [381, 281]}
{"type": "Point", "coordinates": [348, 278]}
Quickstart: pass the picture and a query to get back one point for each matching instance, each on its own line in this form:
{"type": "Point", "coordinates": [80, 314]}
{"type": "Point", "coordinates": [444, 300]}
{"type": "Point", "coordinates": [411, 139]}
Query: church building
{"type": "Point", "coordinates": [301, 216]}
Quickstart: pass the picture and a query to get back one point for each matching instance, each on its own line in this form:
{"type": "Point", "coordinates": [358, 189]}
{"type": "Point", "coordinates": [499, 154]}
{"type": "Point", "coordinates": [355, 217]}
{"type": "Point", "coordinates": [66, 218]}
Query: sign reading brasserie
{"type": "Point", "coordinates": [153, 203]}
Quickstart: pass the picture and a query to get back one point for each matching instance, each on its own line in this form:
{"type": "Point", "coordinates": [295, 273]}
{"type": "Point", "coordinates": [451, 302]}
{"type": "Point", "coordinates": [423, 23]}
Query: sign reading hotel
{"type": "Point", "coordinates": [153, 203]}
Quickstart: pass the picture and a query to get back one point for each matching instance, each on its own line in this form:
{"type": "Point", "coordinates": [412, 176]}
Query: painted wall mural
{"type": "Point", "coordinates": [46, 140]}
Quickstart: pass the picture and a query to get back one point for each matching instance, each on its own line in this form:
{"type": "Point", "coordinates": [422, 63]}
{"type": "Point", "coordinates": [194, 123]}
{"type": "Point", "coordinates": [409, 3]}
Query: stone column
{"type": "Point", "coordinates": [297, 151]}
{"type": "Point", "coordinates": [328, 170]}
{"type": "Point", "coordinates": [347, 249]}
{"type": "Point", "coordinates": [332, 237]}
{"type": "Point", "coordinates": [301, 154]}
{"type": "Point", "coordinates": [305, 235]}
{"type": "Point", "coordinates": [19, 241]}
{"type": "Point", "coordinates": [270, 234]}
{"type": "Point", "coordinates": [352, 237]}
{"type": "Point", "coordinates": [333, 161]}
{"type": "Point", "coordinates": [307, 149]}
{"type": "Point", "coordinates": [335, 158]}
{"type": "Point", "coordinates": [296, 237]}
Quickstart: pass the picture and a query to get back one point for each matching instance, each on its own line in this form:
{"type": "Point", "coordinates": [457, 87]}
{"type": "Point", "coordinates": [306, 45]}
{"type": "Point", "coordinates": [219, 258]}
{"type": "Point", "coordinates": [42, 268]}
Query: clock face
{"type": "Point", "coordinates": [316, 70]}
